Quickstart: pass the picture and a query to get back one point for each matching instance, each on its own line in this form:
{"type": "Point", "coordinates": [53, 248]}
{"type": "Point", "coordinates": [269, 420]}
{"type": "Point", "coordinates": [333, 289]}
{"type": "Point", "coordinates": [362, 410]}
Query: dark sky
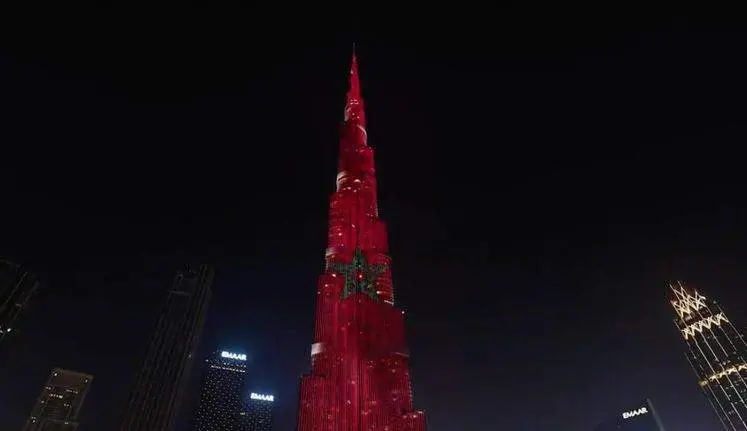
{"type": "Point", "coordinates": [542, 177]}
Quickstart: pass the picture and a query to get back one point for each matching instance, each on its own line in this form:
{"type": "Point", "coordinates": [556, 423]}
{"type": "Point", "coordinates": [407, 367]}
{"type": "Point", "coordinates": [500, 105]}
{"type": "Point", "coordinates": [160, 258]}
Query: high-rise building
{"type": "Point", "coordinates": [360, 376]}
{"type": "Point", "coordinates": [257, 412]}
{"type": "Point", "coordinates": [17, 286]}
{"type": "Point", "coordinates": [162, 378]}
{"type": "Point", "coordinates": [60, 401]}
{"type": "Point", "coordinates": [637, 417]}
{"type": "Point", "coordinates": [219, 408]}
{"type": "Point", "coordinates": [717, 352]}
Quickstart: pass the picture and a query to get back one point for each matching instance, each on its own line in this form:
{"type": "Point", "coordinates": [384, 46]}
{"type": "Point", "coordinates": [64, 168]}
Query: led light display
{"type": "Point", "coordinates": [229, 355]}
{"type": "Point", "coordinates": [634, 413]}
{"type": "Point", "coordinates": [638, 417]}
{"type": "Point", "coordinates": [261, 397]}
{"type": "Point", "coordinates": [360, 376]}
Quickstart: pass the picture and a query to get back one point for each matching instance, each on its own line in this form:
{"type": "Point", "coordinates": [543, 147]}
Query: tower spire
{"type": "Point", "coordinates": [355, 154]}
{"type": "Point", "coordinates": [354, 104]}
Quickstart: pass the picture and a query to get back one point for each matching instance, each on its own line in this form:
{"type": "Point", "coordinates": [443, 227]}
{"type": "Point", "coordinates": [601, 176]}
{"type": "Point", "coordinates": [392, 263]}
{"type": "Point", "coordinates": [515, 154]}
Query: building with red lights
{"type": "Point", "coordinates": [717, 351]}
{"type": "Point", "coordinates": [360, 375]}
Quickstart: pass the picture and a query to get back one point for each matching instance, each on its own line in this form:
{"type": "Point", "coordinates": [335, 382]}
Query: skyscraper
{"type": "Point", "coordinates": [17, 286]}
{"type": "Point", "coordinates": [163, 375]}
{"type": "Point", "coordinates": [60, 401]}
{"type": "Point", "coordinates": [717, 352]}
{"type": "Point", "coordinates": [257, 412]}
{"type": "Point", "coordinates": [360, 377]}
{"type": "Point", "coordinates": [222, 390]}
{"type": "Point", "coordinates": [637, 417]}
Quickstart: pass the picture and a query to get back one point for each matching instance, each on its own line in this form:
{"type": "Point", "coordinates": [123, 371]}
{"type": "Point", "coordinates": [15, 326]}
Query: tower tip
{"type": "Point", "coordinates": [354, 105]}
{"type": "Point", "coordinates": [354, 81]}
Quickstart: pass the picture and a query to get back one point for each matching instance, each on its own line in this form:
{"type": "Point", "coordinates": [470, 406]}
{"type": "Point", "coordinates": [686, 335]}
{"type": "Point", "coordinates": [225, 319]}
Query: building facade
{"type": "Point", "coordinates": [17, 287]}
{"type": "Point", "coordinates": [360, 375]}
{"type": "Point", "coordinates": [717, 352]}
{"type": "Point", "coordinates": [162, 378]}
{"type": "Point", "coordinates": [257, 412]}
{"type": "Point", "coordinates": [221, 393]}
{"type": "Point", "coordinates": [637, 417]}
{"type": "Point", "coordinates": [60, 401]}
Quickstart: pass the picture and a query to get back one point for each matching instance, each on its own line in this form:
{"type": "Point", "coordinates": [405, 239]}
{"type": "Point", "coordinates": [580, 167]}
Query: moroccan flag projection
{"type": "Point", "coordinates": [360, 377]}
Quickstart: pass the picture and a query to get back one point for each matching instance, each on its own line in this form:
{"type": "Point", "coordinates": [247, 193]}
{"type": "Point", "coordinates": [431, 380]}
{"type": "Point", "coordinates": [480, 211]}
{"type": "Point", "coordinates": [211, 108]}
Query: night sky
{"type": "Point", "coordinates": [542, 178]}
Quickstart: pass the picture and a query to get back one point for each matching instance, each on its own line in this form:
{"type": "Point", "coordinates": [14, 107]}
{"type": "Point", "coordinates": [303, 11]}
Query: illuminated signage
{"type": "Point", "coordinates": [229, 355]}
{"type": "Point", "coordinates": [261, 397]}
{"type": "Point", "coordinates": [634, 413]}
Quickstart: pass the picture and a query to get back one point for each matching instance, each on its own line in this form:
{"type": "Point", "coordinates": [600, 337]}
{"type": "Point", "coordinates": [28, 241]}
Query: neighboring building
{"type": "Point", "coordinates": [60, 401]}
{"type": "Point", "coordinates": [17, 286]}
{"type": "Point", "coordinates": [717, 352]}
{"type": "Point", "coordinates": [637, 417]}
{"type": "Point", "coordinates": [162, 378]}
{"type": "Point", "coordinates": [360, 374]}
{"type": "Point", "coordinates": [223, 380]}
{"type": "Point", "coordinates": [257, 412]}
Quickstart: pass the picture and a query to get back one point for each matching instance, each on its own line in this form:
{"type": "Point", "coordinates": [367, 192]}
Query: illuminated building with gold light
{"type": "Point", "coordinates": [717, 352]}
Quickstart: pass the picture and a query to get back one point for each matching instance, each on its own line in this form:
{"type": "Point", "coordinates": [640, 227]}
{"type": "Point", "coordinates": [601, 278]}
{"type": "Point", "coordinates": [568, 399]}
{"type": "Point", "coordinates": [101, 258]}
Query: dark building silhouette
{"type": "Point", "coordinates": [60, 401]}
{"type": "Point", "coordinates": [717, 352]}
{"type": "Point", "coordinates": [221, 392]}
{"type": "Point", "coordinates": [257, 412]}
{"type": "Point", "coordinates": [637, 417]}
{"type": "Point", "coordinates": [161, 381]}
{"type": "Point", "coordinates": [17, 286]}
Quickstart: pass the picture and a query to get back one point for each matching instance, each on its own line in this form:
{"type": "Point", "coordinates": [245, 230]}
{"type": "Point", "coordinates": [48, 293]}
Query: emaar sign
{"type": "Point", "coordinates": [261, 397]}
{"type": "Point", "coordinates": [636, 416]}
{"type": "Point", "coordinates": [634, 413]}
{"type": "Point", "coordinates": [229, 355]}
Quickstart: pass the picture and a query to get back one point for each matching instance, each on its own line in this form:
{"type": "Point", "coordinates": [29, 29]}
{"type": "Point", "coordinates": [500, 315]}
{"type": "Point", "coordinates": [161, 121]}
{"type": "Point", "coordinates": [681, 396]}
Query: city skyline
{"type": "Point", "coordinates": [537, 192]}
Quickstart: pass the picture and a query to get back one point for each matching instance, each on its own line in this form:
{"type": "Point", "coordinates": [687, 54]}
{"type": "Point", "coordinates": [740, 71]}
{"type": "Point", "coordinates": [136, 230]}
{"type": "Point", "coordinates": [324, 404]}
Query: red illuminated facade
{"type": "Point", "coordinates": [360, 375]}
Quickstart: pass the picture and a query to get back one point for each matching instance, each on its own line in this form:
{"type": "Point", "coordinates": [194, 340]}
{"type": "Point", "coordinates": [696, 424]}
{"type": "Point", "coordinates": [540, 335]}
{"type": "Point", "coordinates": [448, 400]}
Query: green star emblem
{"type": "Point", "coordinates": [360, 276]}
